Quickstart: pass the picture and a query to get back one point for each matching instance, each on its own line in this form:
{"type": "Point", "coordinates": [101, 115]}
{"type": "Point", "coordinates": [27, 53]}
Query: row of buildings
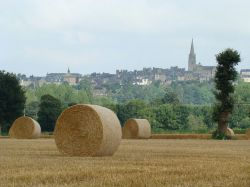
{"type": "Point", "coordinates": [146, 76]}
{"type": "Point", "coordinates": [245, 75]}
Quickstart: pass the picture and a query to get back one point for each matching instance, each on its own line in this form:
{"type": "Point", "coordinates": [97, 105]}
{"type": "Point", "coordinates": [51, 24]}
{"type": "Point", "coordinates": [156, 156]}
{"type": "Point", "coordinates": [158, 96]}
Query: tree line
{"type": "Point", "coordinates": [162, 116]}
{"type": "Point", "coordinates": [166, 112]}
{"type": "Point", "coordinates": [181, 106]}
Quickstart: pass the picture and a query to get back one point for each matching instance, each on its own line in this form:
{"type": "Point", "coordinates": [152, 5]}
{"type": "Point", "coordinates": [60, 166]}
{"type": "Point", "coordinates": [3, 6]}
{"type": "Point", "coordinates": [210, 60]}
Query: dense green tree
{"type": "Point", "coordinates": [196, 123]}
{"type": "Point", "coordinates": [86, 87]}
{"type": "Point", "coordinates": [102, 100]}
{"type": "Point", "coordinates": [225, 76]}
{"type": "Point", "coordinates": [31, 96]}
{"type": "Point", "coordinates": [130, 92]}
{"type": "Point", "coordinates": [12, 99]}
{"type": "Point", "coordinates": [166, 117]}
{"type": "Point", "coordinates": [170, 97]}
{"type": "Point", "coordinates": [152, 92]}
{"type": "Point", "coordinates": [242, 93]}
{"type": "Point", "coordinates": [245, 123]}
{"type": "Point", "coordinates": [65, 93]}
{"type": "Point", "coordinates": [193, 92]}
{"type": "Point", "coordinates": [31, 109]}
{"type": "Point", "coordinates": [131, 109]}
{"type": "Point", "coordinates": [83, 97]}
{"type": "Point", "coordinates": [112, 87]}
{"type": "Point", "coordinates": [149, 114]}
{"type": "Point", "coordinates": [85, 84]}
{"type": "Point", "coordinates": [181, 112]}
{"type": "Point", "coordinates": [111, 106]}
{"type": "Point", "coordinates": [207, 115]}
{"type": "Point", "coordinates": [71, 104]}
{"type": "Point", "coordinates": [49, 110]}
{"type": "Point", "coordinates": [240, 112]}
{"type": "Point", "coordinates": [242, 105]}
{"type": "Point", "coordinates": [205, 112]}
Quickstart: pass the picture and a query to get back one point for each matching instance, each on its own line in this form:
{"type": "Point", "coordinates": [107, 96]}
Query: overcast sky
{"type": "Point", "coordinates": [45, 36]}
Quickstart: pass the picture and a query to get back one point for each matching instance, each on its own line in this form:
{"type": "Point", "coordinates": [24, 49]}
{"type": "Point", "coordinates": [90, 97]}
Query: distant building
{"type": "Point", "coordinates": [245, 75]}
{"type": "Point", "coordinates": [55, 78]}
{"type": "Point", "coordinates": [204, 73]}
{"type": "Point", "coordinates": [59, 78]}
{"type": "Point", "coordinates": [142, 82]}
{"type": "Point", "coordinates": [71, 78]}
{"type": "Point", "coordinates": [32, 81]}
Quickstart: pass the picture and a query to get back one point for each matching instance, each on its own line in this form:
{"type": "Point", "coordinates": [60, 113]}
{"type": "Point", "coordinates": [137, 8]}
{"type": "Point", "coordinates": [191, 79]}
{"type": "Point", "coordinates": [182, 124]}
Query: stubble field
{"type": "Point", "coordinates": [152, 162]}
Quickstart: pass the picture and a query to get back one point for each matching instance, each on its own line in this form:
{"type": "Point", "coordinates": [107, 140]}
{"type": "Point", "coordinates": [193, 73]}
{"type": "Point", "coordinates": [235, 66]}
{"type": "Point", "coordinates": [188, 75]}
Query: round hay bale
{"type": "Point", "coordinates": [87, 130]}
{"type": "Point", "coordinates": [25, 128]}
{"type": "Point", "coordinates": [136, 129]}
{"type": "Point", "coordinates": [248, 133]}
{"type": "Point", "coordinates": [230, 132]}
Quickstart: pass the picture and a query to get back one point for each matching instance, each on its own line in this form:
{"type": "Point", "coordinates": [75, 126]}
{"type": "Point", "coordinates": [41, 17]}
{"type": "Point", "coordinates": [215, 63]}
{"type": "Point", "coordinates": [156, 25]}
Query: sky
{"type": "Point", "coordinates": [47, 36]}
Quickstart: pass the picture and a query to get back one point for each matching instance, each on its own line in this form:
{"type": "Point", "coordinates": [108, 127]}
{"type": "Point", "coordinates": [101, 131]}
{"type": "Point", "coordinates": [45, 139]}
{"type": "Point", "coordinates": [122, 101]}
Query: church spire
{"type": "Point", "coordinates": [68, 71]}
{"type": "Point", "coordinates": [192, 47]}
{"type": "Point", "coordinates": [192, 58]}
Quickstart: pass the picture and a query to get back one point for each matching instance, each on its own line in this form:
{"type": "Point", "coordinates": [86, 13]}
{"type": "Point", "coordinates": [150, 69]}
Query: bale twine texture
{"type": "Point", "coordinates": [136, 129]}
{"type": "Point", "coordinates": [87, 130]}
{"type": "Point", "coordinates": [25, 128]}
{"type": "Point", "coordinates": [230, 132]}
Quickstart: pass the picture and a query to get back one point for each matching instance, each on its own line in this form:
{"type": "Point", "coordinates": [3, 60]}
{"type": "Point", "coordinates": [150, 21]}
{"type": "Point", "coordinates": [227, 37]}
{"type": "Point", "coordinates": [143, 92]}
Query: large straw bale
{"type": "Point", "coordinates": [230, 132]}
{"type": "Point", "coordinates": [240, 137]}
{"type": "Point", "coordinates": [248, 133]}
{"type": "Point", "coordinates": [87, 130]}
{"type": "Point", "coordinates": [136, 129]}
{"type": "Point", "coordinates": [25, 128]}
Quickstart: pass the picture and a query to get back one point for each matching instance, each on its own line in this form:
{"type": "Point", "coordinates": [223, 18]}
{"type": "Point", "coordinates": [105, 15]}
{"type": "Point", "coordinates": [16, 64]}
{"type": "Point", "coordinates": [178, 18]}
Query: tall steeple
{"type": "Point", "coordinates": [192, 58]}
{"type": "Point", "coordinates": [192, 47]}
{"type": "Point", "coordinates": [68, 71]}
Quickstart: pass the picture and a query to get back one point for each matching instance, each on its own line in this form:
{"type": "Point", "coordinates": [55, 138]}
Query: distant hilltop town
{"type": "Point", "coordinates": [145, 76]}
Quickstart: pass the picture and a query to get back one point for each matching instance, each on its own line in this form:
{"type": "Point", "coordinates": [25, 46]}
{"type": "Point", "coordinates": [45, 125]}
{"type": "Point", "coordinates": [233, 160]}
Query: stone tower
{"type": "Point", "coordinates": [192, 58]}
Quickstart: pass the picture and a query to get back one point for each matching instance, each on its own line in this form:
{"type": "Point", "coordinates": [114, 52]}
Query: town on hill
{"type": "Point", "coordinates": [196, 72]}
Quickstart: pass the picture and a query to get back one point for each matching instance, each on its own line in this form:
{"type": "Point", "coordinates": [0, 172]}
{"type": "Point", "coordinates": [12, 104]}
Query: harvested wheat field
{"type": "Point", "coordinates": [136, 163]}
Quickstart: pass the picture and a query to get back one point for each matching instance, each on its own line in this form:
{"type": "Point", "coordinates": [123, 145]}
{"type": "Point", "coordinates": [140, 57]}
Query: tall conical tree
{"type": "Point", "coordinates": [225, 76]}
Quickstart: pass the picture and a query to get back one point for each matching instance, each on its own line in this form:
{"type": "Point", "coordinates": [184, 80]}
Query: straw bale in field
{"type": "Point", "coordinates": [230, 132]}
{"type": "Point", "coordinates": [87, 130]}
{"type": "Point", "coordinates": [136, 129]}
{"type": "Point", "coordinates": [25, 128]}
{"type": "Point", "coordinates": [248, 133]}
